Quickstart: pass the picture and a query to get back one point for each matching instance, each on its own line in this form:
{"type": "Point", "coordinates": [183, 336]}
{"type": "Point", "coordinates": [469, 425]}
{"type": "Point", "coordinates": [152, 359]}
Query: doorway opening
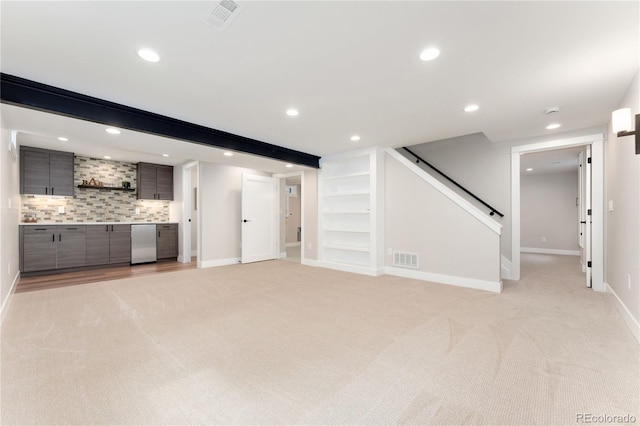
{"type": "Point", "coordinates": [588, 207]}
{"type": "Point", "coordinates": [555, 197]}
{"type": "Point", "coordinates": [190, 213]}
{"type": "Point", "coordinates": [292, 217]}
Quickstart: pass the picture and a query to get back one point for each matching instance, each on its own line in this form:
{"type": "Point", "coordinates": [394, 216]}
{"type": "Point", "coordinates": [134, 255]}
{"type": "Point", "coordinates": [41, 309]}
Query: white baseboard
{"type": "Point", "coordinates": [309, 262]}
{"type": "Point", "coordinates": [550, 251]}
{"type": "Point", "coordinates": [292, 244]}
{"type": "Point", "coordinates": [363, 270]}
{"type": "Point", "coordinates": [218, 262]}
{"type": "Point", "coordinates": [505, 268]}
{"type": "Point", "coordinates": [194, 253]}
{"type": "Point", "coordinates": [495, 287]}
{"type": "Point", "coordinates": [631, 322]}
{"type": "Point", "coordinates": [7, 302]}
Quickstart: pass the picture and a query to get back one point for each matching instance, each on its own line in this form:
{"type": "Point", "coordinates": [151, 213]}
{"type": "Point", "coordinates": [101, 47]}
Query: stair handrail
{"type": "Point", "coordinates": [434, 168]}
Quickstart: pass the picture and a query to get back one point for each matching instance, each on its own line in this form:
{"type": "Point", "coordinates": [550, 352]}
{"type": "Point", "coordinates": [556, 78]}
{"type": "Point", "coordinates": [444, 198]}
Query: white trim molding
{"type": "Point", "coordinates": [7, 302]}
{"type": "Point", "coordinates": [549, 251]}
{"type": "Point", "coordinates": [596, 142]}
{"type": "Point", "coordinates": [631, 322]}
{"type": "Point", "coordinates": [364, 270]}
{"type": "Point", "coordinates": [505, 268]}
{"type": "Point", "coordinates": [494, 287]}
{"type": "Point", "coordinates": [218, 262]}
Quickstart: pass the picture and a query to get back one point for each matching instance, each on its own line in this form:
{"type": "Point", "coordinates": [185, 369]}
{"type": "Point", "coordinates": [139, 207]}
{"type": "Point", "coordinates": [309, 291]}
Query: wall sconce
{"type": "Point", "coordinates": [621, 123]}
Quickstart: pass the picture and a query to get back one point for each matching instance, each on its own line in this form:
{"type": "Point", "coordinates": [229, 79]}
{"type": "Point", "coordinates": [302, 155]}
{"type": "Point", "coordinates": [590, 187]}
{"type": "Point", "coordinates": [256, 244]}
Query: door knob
{"type": "Point", "coordinates": [246, 220]}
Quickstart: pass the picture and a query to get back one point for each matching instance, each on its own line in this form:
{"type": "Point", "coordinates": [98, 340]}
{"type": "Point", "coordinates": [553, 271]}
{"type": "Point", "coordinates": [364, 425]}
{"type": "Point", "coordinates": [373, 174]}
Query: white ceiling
{"type": "Point", "coordinates": [349, 67]}
{"type": "Point", "coordinates": [552, 161]}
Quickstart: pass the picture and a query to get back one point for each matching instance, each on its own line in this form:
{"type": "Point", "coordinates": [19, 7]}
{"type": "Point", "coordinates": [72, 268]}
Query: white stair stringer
{"type": "Point", "coordinates": [481, 215]}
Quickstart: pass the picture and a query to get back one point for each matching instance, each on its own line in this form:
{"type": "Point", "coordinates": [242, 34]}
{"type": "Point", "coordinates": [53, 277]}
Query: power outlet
{"type": "Point", "coordinates": [544, 239]}
{"type": "Point", "coordinates": [61, 209]}
{"type": "Point", "coordinates": [629, 281]}
{"type": "Point", "coordinates": [137, 210]}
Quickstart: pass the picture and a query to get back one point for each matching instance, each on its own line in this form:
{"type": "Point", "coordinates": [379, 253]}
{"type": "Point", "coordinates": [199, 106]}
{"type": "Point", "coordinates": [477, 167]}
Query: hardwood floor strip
{"type": "Point", "coordinates": [44, 282]}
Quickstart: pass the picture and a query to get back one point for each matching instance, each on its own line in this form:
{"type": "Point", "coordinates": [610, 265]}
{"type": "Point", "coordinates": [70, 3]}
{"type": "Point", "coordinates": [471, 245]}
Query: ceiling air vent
{"type": "Point", "coordinates": [224, 12]}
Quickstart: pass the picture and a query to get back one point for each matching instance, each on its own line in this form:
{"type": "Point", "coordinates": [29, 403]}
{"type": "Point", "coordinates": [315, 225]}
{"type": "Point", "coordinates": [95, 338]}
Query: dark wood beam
{"type": "Point", "coordinates": [42, 97]}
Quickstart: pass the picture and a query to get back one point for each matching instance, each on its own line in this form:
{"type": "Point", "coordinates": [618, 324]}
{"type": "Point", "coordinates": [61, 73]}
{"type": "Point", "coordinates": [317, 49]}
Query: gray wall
{"type": "Point", "coordinates": [622, 225]}
{"type": "Point", "coordinates": [548, 209]}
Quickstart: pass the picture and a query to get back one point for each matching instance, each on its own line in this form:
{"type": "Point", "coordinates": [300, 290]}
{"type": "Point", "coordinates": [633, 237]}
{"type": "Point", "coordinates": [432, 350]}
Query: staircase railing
{"type": "Point", "coordinates": [472, 195]}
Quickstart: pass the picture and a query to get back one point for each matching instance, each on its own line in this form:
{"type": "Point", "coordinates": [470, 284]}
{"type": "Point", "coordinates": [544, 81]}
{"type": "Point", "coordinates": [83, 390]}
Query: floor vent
{"type": "Point", "coordinates": [405, 260]}
{"type": "Point", "coordinates": [224, 12]}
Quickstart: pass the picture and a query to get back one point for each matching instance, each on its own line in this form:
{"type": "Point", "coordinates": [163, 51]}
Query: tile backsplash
{"type": "Point", "coordinates": [97, 205]}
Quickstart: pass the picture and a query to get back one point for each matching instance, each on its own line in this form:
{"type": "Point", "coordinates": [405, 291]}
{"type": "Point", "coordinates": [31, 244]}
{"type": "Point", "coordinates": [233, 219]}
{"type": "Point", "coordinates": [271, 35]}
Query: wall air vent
{"type": "Point", "coordinates": [405, 260]}
{"type": "Point", "coordinates": [224, 12]}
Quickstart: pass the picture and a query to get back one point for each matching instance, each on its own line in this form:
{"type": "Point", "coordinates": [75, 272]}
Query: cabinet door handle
{"type": "Point", "coordinates": [106, 228]}
{"type": "Point", "coordinates": [41, 229]}
{"type": "Point", "coordinates": [46, 190]}
{"type": "Point", "coordinates": [53, 237]}
{"type": "Point", "coordinates": [111, 228]}
{"type": "Point", "coordinates": [52, 190]}
{"type": "Point", "coordinates": [59, 237]}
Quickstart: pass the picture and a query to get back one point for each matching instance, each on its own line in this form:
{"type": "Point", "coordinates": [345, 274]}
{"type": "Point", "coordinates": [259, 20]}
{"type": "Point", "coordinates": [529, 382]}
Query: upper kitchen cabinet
{"type": "Point", "coordinates": [46, 172]}
{"type": "Point", "coordinates": [155, 182]}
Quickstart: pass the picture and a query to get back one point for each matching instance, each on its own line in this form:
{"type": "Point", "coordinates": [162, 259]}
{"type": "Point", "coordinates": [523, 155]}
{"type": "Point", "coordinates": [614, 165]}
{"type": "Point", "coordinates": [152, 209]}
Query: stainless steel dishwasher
{"type": "Point", "coordinates": [143, 243]}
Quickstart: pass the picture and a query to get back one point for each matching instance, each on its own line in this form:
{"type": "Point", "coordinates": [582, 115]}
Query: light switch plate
{"type": "Point", "coordinates": [610, 205]}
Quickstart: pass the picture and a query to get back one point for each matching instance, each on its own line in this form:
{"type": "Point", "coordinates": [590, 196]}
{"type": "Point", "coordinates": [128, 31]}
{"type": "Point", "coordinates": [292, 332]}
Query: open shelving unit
{"type": "Point", "coordinates": [349, 212]}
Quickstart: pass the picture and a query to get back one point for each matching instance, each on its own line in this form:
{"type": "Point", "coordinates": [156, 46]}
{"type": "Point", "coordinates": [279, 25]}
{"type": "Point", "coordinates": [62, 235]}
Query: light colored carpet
{"type": "Point", "coordinates": [281, 343]}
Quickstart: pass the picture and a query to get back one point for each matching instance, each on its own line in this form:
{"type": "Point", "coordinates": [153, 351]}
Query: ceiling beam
{"type": "Point", "coordinates": [42, 97]}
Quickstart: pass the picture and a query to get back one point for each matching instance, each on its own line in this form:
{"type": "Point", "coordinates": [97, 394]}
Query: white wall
{"type": "Point", "coordinates": [485, 168]}
{"type": "Point", "coordinates": [310, 230]}
{"type": "Point", "coordinates": [548, 209]}
{"type": "Point", "coordinates": [622, 225]}
{"type": "Point", "coordinates": [454, 246]}
{"type": "Point", "coordinates": [220, 204]}
{"type": "Point", "coordinates": [9, 219]}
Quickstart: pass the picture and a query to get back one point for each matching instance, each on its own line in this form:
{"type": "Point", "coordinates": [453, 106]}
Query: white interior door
{"type": "Point", "coordinates": [587, 216]}
{"type": "Point", "coordinates": [259, 220]}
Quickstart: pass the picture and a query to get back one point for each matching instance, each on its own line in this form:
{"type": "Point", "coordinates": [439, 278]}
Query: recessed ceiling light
{"type": "Point", "coordinates": [228, 154]}
{"type": "Point", "coordinates": [292, 112]}
{"type": "Point", "coordinates": [165, 155]}
{"type": "Point", "coordinates": [355, 138]}
{"type": "Point", "coordinates": [529, 169]}
{"type": "Point", "coordinates": [288, 165]}
{"type": "Point", "coordinates": [106, 157]}
{"type": "Point", "coordinates": [63, 139]}
{"type": "Point", "coordinates": [429, 54]}
{"type": "Point", "coordinates": [471, 108]}
{"type": "Point", "coordinates": [112, 130]}
{"type": "Point", "coordinates": [553, 126]}
{"type": "Point", "coordinates": [148, 55]}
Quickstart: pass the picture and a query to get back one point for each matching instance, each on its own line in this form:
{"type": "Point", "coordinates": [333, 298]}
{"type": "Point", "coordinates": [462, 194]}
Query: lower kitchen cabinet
{"type": "Point", "coordinates": [52, 247]}
{"type": "Point", "coordinates": [38, 248]}
{"type": "Point", "coordinates": [167, 241]}
{"type": "Point", "coordinates": [108, 244]}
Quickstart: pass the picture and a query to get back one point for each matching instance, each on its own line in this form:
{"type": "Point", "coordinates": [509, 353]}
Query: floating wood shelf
{"type": "Point", "coordinates": [110, 188]}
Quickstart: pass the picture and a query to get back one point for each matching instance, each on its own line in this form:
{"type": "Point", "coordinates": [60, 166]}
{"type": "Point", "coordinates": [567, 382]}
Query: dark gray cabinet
{"type": "Point", "coordinates": [72, 246]}
{"type": "Point", "coordinates": [38, 248]}
{"type": "Point", "coordinates": [46, 172]}
{"type": "Point", "coordinates": [155, 182]}
{"type": "Point", "coordinates": [108, 244]}
{"type": "Point", "coordinates": [45, 248]}
{"type": "Point", "coordinates": [167, 241]}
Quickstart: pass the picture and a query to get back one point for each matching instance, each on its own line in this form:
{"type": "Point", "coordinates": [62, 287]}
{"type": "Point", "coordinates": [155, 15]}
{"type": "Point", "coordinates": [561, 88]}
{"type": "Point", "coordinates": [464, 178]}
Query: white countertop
{"type": "Point", "coordinates": [92, 223]}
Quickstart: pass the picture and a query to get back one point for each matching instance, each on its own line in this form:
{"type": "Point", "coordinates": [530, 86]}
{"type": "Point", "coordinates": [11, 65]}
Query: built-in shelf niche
{"type": "Point", "coordinates": [348, 210]}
